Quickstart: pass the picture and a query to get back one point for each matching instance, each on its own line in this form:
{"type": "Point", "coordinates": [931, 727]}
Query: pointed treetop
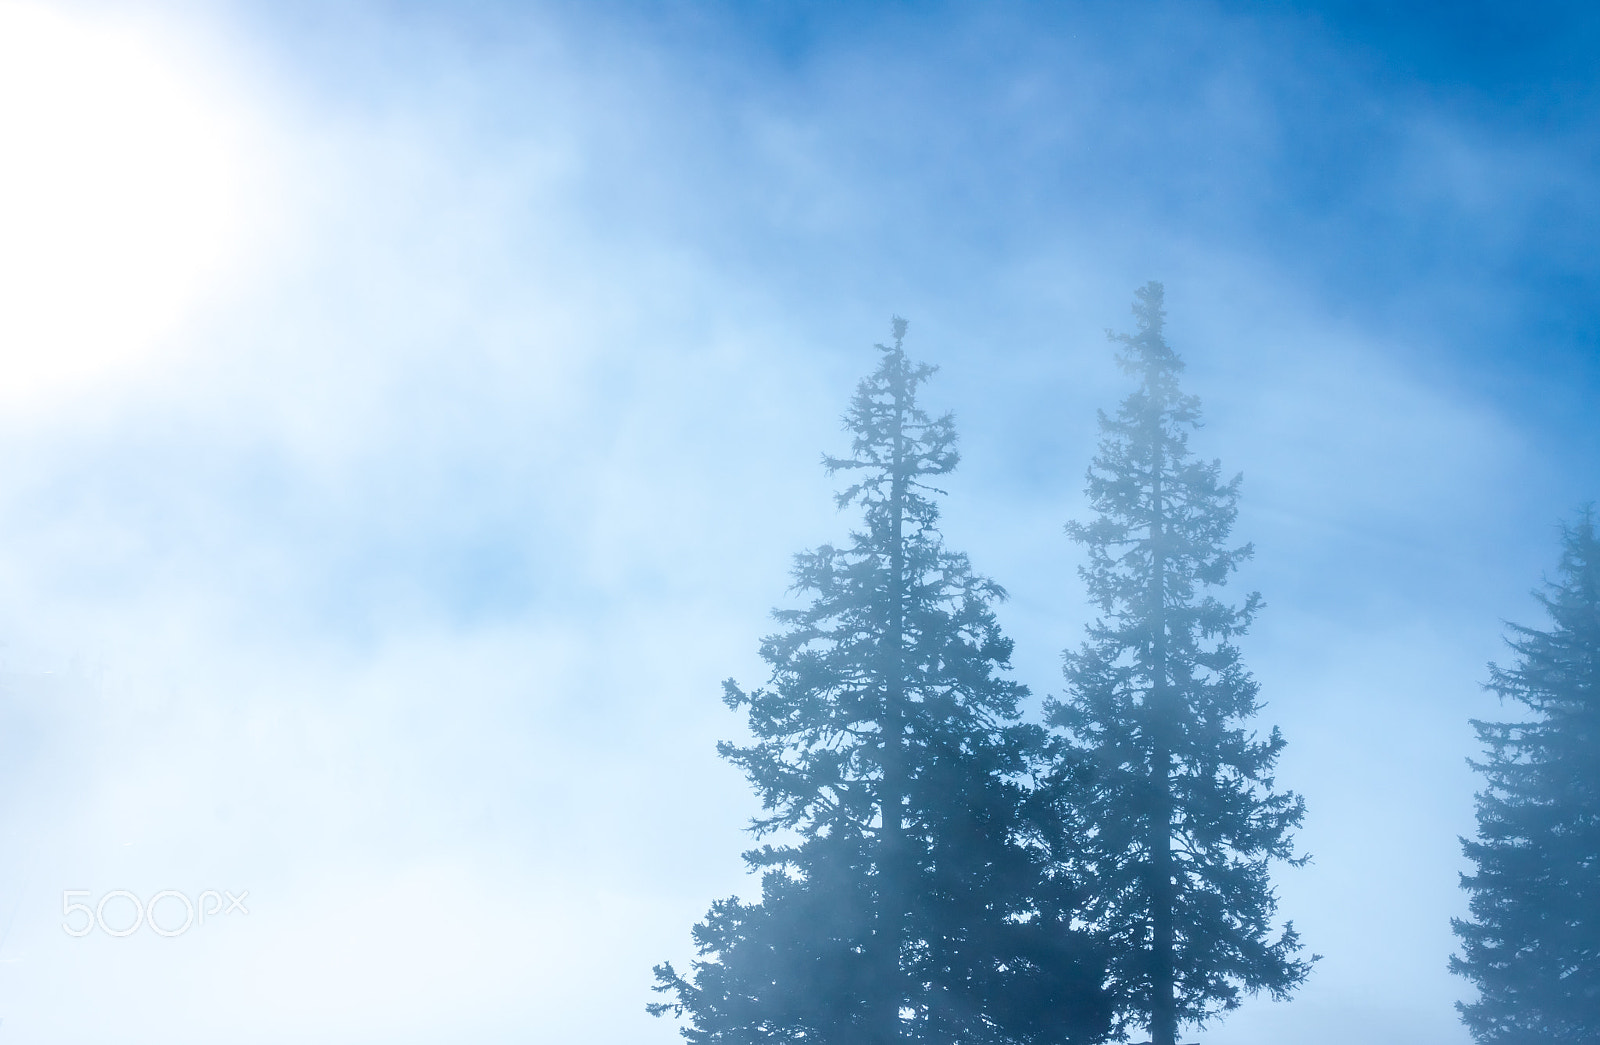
{"type": "Point", "coordinates": [1579, 570]}
{"type": "Point", "coordinates": [894, 438]}
{"type": "Point", "coordinates": [1148, 351]}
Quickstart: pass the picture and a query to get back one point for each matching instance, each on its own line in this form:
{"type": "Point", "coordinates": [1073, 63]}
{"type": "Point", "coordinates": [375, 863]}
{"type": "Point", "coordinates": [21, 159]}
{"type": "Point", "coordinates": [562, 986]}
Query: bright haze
{"type": "Point", "coordinates": [409, 412]}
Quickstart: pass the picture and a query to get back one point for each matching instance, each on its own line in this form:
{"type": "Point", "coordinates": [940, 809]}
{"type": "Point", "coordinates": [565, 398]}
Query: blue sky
{"type": "Point", "coordinates": [392, 573]}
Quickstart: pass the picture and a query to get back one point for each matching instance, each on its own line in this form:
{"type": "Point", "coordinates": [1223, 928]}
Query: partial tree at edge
{"type": "Point", "coordinates": [1532, 943]}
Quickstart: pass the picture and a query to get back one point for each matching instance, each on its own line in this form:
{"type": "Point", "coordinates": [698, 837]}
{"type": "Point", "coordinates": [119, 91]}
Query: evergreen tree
{"type": "Point", "coordinates": [1174, 793]}
{"type": "Point", "coordinates": [901, 899]}
{"type": "Point", "coordinates": [1532, 945]}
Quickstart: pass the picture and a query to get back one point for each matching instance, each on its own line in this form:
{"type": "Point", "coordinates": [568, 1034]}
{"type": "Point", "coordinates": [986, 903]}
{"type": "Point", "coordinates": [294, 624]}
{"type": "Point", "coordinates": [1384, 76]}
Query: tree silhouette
{"type": "Point", "coordinates": [1175, 794]}
{"type": "Point", "coordinates": [903, 895]}
{"type": "Point", "coordinates": [1532, 944]}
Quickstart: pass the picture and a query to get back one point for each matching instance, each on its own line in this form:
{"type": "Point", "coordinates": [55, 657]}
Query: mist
{"type": "Point", "coordinates": [383, 554]}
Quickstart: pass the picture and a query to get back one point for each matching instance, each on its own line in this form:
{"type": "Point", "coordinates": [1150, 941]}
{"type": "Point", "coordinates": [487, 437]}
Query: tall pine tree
{"type": "Point", "coordinates": [1174, 791]}
{"type": "Point", "coordinates": [901, 898]}
{"type": "Point", "coordinates": [1532, 945]}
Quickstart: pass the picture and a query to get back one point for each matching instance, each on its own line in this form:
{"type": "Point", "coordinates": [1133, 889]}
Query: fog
{"type": "Point", "coordinates": [382, 553]}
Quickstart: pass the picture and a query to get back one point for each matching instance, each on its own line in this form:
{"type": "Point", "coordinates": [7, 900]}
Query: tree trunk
{"type": "Point", "coordinates": [1163, 999]}
{"type": "Point", "coordinates": [892, 867]}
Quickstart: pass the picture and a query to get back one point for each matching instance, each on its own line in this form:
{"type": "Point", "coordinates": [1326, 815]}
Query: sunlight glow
{"type": "Point", "coordinates": [120, 196]}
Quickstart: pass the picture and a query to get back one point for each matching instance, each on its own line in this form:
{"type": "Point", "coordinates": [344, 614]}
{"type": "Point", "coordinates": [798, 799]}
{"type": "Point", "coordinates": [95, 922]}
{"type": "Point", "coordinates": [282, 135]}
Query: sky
{"type": "Point", "coordinates": [411, 411]}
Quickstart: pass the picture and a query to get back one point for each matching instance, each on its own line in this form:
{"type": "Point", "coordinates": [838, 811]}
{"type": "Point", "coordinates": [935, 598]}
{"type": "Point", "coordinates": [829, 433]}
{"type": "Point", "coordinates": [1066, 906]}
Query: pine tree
{"type": "Point", "coordinates": [901, 898]}
{"type": "Point", "coordinates": [1532, 945]}
{"type": "Point", "coordinates": [1174, 792]}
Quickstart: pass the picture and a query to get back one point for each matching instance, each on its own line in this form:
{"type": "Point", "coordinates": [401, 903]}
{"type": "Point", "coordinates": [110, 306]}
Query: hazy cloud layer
{"type": "Point", "coordinates": [395, 587]}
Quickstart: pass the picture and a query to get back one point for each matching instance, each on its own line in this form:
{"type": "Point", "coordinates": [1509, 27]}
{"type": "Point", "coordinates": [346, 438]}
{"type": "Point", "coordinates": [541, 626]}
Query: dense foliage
{"type": "Point", "coordinates": [905, 892]}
